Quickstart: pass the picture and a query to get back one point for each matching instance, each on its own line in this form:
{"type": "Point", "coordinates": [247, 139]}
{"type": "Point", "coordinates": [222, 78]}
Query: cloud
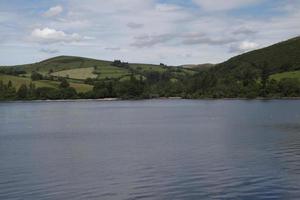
{"type": "Point", "coordinates": [163, 7]}
{"type": "Point", "coordinates": [205, 29]}
{"type": "Point", "coordinates": [217, 5]}
{"type": "Point", "coordinates": [49, 51]}
{"type": "Point", "coordinates": [196, 39]}
{"type": "Point", "coordinates": [133, 25]}
{"type": "Point", "coordinates": [47, 35]}
{"type": "Point", "coordinates": [113, 48]}
{"type": "Point", "coordinates": [151, 40]}
{"type": "Point", "coordinates": [54, 11]}
{"type": "Point", "coordinates": [244, 31]}
{"type": "Point", "coordinates": [181, 39]}
{"type": "Point", "coordinates": [244, 47]}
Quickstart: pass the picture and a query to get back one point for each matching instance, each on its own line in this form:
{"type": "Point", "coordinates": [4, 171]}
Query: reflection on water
{"type": "Point", "coordinates": [175, 149]}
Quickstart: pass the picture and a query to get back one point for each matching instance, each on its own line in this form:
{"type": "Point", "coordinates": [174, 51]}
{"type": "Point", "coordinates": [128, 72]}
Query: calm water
{"type": "Point", "coordinates": [168, 149]}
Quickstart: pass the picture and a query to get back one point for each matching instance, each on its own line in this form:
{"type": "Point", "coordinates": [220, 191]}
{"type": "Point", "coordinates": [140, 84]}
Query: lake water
{"type": "Point", "coordinates": [156, 149]}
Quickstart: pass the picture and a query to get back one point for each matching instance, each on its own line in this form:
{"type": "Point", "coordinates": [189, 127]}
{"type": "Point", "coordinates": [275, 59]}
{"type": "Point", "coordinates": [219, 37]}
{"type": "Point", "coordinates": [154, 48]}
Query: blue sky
{"type": "Point", "coordinates": [152, 31]}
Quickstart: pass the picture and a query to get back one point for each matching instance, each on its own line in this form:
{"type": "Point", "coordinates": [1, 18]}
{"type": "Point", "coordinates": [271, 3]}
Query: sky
{"type": "Point", "coordinates": [173, 32]}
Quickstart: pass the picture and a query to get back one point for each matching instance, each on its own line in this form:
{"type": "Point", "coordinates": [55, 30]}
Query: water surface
{"type": "Point", "coordinates": [157, 149]}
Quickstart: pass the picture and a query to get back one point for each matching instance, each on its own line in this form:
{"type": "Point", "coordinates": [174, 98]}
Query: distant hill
{"type": "Point", "coordinates": [245, 76]}
{"type": "Point", "coordinates": [77, 70]}
{"type": "Point", "coordinates": [198, 66]}
{"type": "Point", "coordinates": [280, 57]}
{"type": "Point", "coordinates": [81, 68]}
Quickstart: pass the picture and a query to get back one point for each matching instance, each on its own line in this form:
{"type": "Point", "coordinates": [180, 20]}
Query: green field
{"type": "Point", "coordinates": [79, 73]}
{"type": "Point", "coordinates": [81, 87]}
{"type": "Point", "coordinates": [111, 72]}
{"type": "Point", "coordinates": [18, 81]}
{"type": "Point", "coordinates": [292, 74]}
{"type": "Point", "coordinates": [148, 67]}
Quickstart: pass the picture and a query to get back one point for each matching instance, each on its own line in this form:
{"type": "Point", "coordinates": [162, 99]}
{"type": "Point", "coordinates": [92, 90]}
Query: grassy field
{"type": "Point", "coordinates": [18, 81]}
{"type": "Point", "coordinates": [148, 67]}
{"type": "Point", "coordinates": [111, 72]}
{"type": "Point", "coordinates": [81, 87]}
{"type": "Point", "coordinates": [292, 74]}
{"type": "Point", "coordinates": [79, 73]}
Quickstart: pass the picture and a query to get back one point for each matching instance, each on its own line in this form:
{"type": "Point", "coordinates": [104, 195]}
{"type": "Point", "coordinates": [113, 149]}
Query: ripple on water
{"type": "Point", "coordinates": [164, 150]}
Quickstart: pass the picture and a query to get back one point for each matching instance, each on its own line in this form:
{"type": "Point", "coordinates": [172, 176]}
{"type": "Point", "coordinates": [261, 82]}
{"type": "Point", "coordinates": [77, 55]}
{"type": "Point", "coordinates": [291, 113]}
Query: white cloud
{"type": "Point", "coordinates": [167, 7]}
{"type": "Point", "coordinates": [48, 35]}
{"type": "Point", "coordinates": [133, 25]}
{"type": "Point", "coordinates": [244, 47]}
{"type": "Point", "coordinates": [49, 51]}
{"type": "Point", "coordinates": [214, 5]}
{"type": "Point", "coordinates": [200, 38]}
{"type": "Point", "coordinates": [151, 40]}
{"type": "Point", "coordinates": [146, 31]}
{"type": "Point", "coordinates": [113, 48]}
{"type": "Point", "coordinates": [54, 11]}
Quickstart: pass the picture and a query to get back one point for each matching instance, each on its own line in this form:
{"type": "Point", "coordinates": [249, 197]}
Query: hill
{"type": "Point", "coordinates": [198, 67]}
{"type": "Point", "coordinates": [79, 68]}
{"type": "Point", "coordinates": [270, 72]}
{"type": "Point", "coordinates": [280, 57]}
{"type": "Point", "coordinates": [83, 74]}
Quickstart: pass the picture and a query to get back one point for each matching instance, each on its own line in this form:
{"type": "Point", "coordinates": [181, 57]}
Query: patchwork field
{"type": "Point", "coordinates": [18, 81]}
{"type": "Point", "coordinates": [79, 73]}
{"type": "Point", "coordinates": [77, 69]}
{"type": "Point", "coordinates": [111, 72]}
{"type": "Point", "coordinates": [148, 67]}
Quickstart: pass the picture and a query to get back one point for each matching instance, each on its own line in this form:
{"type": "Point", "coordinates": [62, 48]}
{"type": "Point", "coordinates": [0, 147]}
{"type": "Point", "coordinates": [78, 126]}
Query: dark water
{"type": "Point", "coordinates": [170, 149]}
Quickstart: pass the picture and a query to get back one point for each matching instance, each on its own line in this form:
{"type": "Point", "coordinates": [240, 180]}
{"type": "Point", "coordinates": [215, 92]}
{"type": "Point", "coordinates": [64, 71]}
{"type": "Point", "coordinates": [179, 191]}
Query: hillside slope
{"type": "Point", "coordinates": [280, 57]}
{"type": "Point", "coordinates": [81, 68]}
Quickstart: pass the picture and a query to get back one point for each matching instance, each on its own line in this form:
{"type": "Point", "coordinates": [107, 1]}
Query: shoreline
{"type": "Point", "coordinates": [162, 98]}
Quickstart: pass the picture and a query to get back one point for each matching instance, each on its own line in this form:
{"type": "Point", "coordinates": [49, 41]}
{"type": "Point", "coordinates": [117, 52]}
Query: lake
{"type": "Point", "coordinates": [154, 149]}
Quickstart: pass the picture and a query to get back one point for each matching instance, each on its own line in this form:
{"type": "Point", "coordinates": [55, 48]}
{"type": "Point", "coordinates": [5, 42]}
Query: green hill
{"type": "Point", "coordinates": [273, 71]}
{"type": "Point", "coordinates": [280, 57]}
{"type": "Point", "coordinates": [77, 70]}
{"type": "Point", "coordinates": [82, 68]}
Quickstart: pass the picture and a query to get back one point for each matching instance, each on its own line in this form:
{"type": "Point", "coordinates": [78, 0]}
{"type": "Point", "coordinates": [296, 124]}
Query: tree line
{"type": "Point", "coordinates": [240, 82]}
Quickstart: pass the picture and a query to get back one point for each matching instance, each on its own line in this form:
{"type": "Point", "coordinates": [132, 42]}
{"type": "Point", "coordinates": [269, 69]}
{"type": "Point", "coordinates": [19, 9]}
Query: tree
{"type": "Point", "coordinates": [289, 87]}
{"type": "Point", "coordinates": [22, 91]}
{"type": "Point", "coordinates": [67, 93]}
{"type": "Point", "coordinates": [31, 91]}
{"type": "Point", "coordinates": [89, 81]}
{"type": "Point", "coordinates": [264, 78]}
{"type": "Point", "coordinates": [1, 85]}
{"type": "Point", "coordinates": [119, 63]}
{"type": "Point", "coordinates": [9, 85]}
{"type": "Point", "coordinates": [272, 88]}
{"type": "Point", "coordinates": [64, 83]}
{"type": "Point", "coordinates": [35, 76]}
